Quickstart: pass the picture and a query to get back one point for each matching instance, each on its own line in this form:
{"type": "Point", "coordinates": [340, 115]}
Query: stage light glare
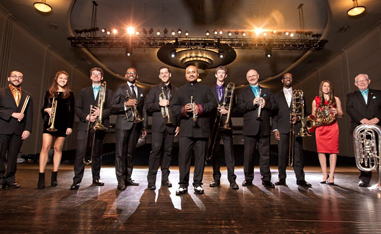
{"type": "Point", "coordinates": [115, 31]}
{"type": "Point", "coordinates": [130, 30]}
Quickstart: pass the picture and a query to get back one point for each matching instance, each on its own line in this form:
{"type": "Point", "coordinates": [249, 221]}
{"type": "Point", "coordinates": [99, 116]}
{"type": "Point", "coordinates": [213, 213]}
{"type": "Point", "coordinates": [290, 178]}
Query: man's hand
{"type": "Point", "coordinates": [25, 134]}
{"type": "Point", "coordinates": [18, 116]}
{"type": "Point", "coordinates": [144, 133]}
{"type": "Point", "coordinates": [131, 102]}
{"type": "Point", "coordinates": [365, 121]}
{"type": "Point", "coordinates": [294, 118]}
{"type": "Point", "coordinates": [95, 111]}
{"type": "Point", "coordinates": [223, 111]}
{"type": "Point", "coordinates": [374, 121]}
{"type": "Point", "coordinates": [93, 118]}
{"type": "Point", "coordinates": [164, 102]}
{"type": "Point", "coordinates": [277, 135]}
{"type": "Point", "coordinates": [177, 130]}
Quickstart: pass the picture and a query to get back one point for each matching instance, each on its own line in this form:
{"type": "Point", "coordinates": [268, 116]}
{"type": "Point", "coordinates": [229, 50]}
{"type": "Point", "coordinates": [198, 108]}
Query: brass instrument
{"type": "Point", "coordinates": [193, 106]}
{"type": "Point", "coordinates": [367, 149]}
{"type": "Point", "coordinates": [52, 116]}
{"type": "Point", "coordinates": [24, 105]}
{"type": "Point", "coordinates": [228, 98]}
{"type": "Point", "coordinates": [297, 111]}
{"type": "Point", "coordinates": [86, 160]}
{"type": "Point", "coordinates": [164, 109]}
{"type": "Point", "coordinates": [135, 117]}
{"type": "Point", "coordinates": [101, 101]}
{"type": "Point", "coordinates": [324, 116]}
{"type": "Point", "coordinates": [259, 104]}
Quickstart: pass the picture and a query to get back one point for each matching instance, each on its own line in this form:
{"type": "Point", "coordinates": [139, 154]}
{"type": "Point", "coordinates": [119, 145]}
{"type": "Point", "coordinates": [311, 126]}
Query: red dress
{"type": "Point", "coordinates": [327, 136]}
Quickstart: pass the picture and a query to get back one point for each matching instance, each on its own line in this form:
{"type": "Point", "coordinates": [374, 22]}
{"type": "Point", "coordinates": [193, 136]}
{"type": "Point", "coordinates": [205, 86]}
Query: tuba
{"type": "Point", "coordinates": [164, 109]}
{"type": "Point", "coordinates": [134, 116]}
{"type": "Point", "coordinates": [367, 148]}
{"type": "Point", "coordinates": [52, 117]}
{"type": "Point", "coordinates": [323, 116]}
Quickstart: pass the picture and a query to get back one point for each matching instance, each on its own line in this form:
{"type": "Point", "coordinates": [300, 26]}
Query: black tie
{"type": "Point", "coordinates": [133, 91]}
{"type": "Point", "coordinates": [167, 92]}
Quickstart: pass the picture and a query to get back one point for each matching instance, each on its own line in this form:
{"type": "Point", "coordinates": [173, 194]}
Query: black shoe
{"type": "Point", "coordinates": [132, 183]}
{"type": "Point", "coordinates": [215, 183]}
{"type": "Point", "coordinates": [364, 184]}
{"type": "Point", "coordinates": [280, 182]}
{"type": "Point", "coordinates": [13, 185]}
{"type": "Point", "coordinates": [75, 185]}
{"type": "Point", "coordinates": [121, 186]}
{"type": "Point", "coordinates": [54, 182]}
{"type": "Point", "coordinates": [98, 183]}
{"type": "Point", "coordinates": [303, 183]}
{"type": "Point", "coordinates": [268, 184]}
{"type": "Point", "coordinates": [331, 183]}
{"type": "Point", "coordinates": [166, 183]}
{"type": "Point", "coordinates": [325, 181]}
{"type": "Point", "coordinates": [234, 186]}
{"type": "Point", "coordinates": [41, 181]}
{"type": "Point", "coordinates": [247, 182]}
{"type": "Point", "coordinates": [152, 187]}
{"type": "Point", "coordinates": [199, 190]}
{"type": "Point", "coordinates": [181, 191]}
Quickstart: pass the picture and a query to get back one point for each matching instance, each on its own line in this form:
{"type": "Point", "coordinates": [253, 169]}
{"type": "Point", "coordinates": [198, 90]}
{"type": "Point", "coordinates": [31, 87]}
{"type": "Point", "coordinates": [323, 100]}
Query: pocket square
{"type": "Point", "coordinates": [374, 97]}
{"type": "Point", "coordinates": [264, 95]}
{"type": "Point", "coordinates": [141, 95]}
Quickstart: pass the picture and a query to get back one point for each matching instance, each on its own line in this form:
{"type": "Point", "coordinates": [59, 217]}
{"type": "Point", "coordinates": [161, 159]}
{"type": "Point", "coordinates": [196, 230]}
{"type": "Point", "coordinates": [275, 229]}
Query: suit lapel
{"type": "Point", "coordinates": [361, 98]}
{"type": "Point", "coordinates": [283, 98]}
{"type": "Point", "coordinates": [214, 91]}
{"type": "Point", "coordinates": [9, 93]}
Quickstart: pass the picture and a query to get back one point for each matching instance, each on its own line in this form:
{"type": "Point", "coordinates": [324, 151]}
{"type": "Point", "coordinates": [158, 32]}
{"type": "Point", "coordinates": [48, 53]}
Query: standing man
{"type": "Point", "coordinates": [127, 128]}
{"type": "Point", "coordinates": [87, 118]}
{"type": "Point", "coordinates": [15, 126]}
{"type": "Point", "coordinates": [281, 129]}
{"type": "Point", "coordinates": [164, 129]}
{"type": "Point", "coordinates": [364, 107]}
{"type": "Point", "coordinates": [194, 128]}
{"type": "Point", "coordinates": [256, 103]}
{"type": "Point", "coordinates": [218, 91]}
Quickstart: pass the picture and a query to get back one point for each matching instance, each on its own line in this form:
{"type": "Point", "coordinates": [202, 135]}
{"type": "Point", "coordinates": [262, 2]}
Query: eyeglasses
{"type": "Point", "coordinates": [18, 77]}
{"type": "Point", "coordinates": [362, 81]}
{"type": "Point", "coordinates": [287, 78]}
{"type": "Point", "coordinates": [96, 73]}
{"type": "Point", "coordinates": [128, 73]}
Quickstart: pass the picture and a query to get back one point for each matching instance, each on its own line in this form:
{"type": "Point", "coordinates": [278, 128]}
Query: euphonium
{"type": "Point", "coordinates": [52, 117]}
{"type": "Point", "coordinates": [133, 110]}
{"type": "Point", "coordinates": [101, 100]}
{"type": "Point", "coordinates": [193, 106]}
{"type": "Point", "coordinates": [324, 116]}
{"type": "Point", "coordinates": [164, 109]}
{"type": "Point", "coordinates": [367, 148]}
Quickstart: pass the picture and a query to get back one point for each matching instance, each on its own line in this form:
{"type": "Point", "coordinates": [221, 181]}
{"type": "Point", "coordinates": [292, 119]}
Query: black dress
{"type": "Point", "coordinates": [64, 114]}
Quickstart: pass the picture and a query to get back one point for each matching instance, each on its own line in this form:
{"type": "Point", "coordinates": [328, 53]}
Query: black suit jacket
{"type": "Point", "coordinates": [214, 112]}
{"type": "Point", "coordinates": [152, 106]}
{"type": "Point", "coordinates": [117, 107]}
{"type": "Point", "coordinates": [281, 117]}
{"type": "Point", "coordinates": [84, 99]}
{"type": "Point", "coordinates": [358, 110]}
{"type": "Point", "coordinates": [8, 124]}
{"type": "Point", "coordinates": [203, 96]}
{"type": "Point", "coordinates": [251, 124]}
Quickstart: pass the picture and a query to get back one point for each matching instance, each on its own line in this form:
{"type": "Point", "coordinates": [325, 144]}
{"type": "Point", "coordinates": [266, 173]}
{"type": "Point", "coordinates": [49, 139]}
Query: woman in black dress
{"type": "Point", "coordinates": [63, 124]}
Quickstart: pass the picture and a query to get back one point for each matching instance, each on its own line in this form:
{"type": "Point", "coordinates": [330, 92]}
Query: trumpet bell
{"type": "Point", "coordinates": [51, 129]}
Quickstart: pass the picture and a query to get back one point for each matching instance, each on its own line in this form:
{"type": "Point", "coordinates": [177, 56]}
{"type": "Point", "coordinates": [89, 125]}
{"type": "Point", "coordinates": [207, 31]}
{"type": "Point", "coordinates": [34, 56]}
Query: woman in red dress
{"type": "Point", "coordinates": [327, 136]}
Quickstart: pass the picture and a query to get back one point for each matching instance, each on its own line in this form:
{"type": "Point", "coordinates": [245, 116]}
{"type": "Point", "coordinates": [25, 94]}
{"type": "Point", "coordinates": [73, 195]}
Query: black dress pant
{"type": "Point", "coordinates": [125, 148]}
{"type": "Point", "coordinates": [97, 146]}
{"type": "Point", "coordinates": [298, 161]}
{"type": "Point", "coordinates": [188, 145]}
{"type": "Point", "coordinates": [12, 143]}
{"type": "Point", "coordinates": [250, 143]}
{"type": "Point", "coordinates": [227, 139]}
{"type": "Point", "coordinates": [161, 143]}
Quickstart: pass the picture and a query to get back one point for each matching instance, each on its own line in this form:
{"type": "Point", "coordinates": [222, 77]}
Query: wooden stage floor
{"type": "Point", "coordinates": [343, 208]}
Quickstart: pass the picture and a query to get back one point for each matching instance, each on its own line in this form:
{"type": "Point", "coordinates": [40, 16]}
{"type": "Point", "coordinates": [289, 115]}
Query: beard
{"type": "Point", "coordinates": [14, 85]}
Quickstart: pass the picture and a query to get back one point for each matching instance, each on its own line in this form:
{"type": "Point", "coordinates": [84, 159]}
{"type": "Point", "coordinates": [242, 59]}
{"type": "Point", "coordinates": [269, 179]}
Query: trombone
{"type": "Point", "coordinates": [164, 109]}
{"type": "Point", "coordinates": [52, 117]}
{"type": "Point", "coordinates": [25, 105]}
{"type": "Point", "coordinates": [134, 113]}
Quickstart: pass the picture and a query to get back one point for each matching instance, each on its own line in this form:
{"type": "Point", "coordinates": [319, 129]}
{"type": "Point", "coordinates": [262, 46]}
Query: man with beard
{"type": "Point", "coordinates": [15, 126]}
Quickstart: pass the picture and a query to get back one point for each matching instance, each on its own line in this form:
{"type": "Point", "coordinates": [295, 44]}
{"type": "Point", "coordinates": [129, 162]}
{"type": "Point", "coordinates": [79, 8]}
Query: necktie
{"type": "Point", "coordinates": [219, 93]}
{"type": "Point", "coordinates": [365, 95]}
{"type": "Point", "coordinates": [16, 94]}
{"type": "Point", "coordinates": [96, 90]}
{"type": "Point", "coordinates": [133, 91]}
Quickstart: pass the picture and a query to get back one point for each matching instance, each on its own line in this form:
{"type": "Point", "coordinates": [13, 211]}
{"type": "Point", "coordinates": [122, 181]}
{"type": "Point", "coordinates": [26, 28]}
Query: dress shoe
{"type": "Point", "coordinates": [41, 181]}
{"type": "Point", "coordinates": [151, 187]}
{"type": "Point", "coordinates": [280, 182]}
{"type": "Point", "coordinates": [181, 191]}
{"type": "Point", "coordinates": [247, 182]}
{"type": "Point", "coordinates": [13, 185]}
{"type": "Point", "coordinates": [303, 183]}
{"type": "Point", "coordinates": [268, 184]}
{"type": "Point", "coordinates": [98, 183]}
{"type": "Point", "coordinates": [132, 183]}
{"type": "Point", "coordinates": [234, 186]}
{"type": "Point", "coordinates": [364, 184]}
{"type": "Point", "coordinates": [75, 185]}
{"type": "Point", "coordinates": [199, 190]}
{"type": "Point", "coordinates": [215, 183]}
{"type": "Point", "coordinates": [166, 183]}
{"type": "Point", "coordinates": [121, 186]}
{"type": "Point", "coordinates": [54, 182]}
{"type": "Point", "coordinates": [325, 181]}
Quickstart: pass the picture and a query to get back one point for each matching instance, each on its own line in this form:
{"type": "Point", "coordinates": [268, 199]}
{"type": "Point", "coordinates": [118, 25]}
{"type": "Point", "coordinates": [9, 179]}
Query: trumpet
{"type": "Point", "coordinates": [164, 109]}
{"type": "Point", "coordinates": [259, 104]}
{"type": "Point", "coordinates": [52, 116]}
{"type": "Point", "coordinates": [367, 150]}
{"type": "Point", "coordinates": [24, 105]}
{"type": "Point", "coordinates": [134, 113]}
{"type": "Point", "coordinates": [101, 100]}
{"type": "Point", "coordinates": [193, 106]}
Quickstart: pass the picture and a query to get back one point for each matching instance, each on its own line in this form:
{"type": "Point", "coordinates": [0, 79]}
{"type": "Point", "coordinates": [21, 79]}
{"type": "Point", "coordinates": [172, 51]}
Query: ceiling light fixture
{"type": "Point", "coordinates": [356, 9]}
{"type": "Point", "coordinates": [42, 6]}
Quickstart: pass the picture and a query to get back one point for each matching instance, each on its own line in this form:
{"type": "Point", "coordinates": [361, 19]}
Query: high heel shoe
{"type": "Point", "coordinates": [325, 181]}
{"type": "Point", "coordinates": [331, 183]}
{"type": "Point", "coordinates": [41, 181]}
{"type": "Point", "coordinates": [54, 182]}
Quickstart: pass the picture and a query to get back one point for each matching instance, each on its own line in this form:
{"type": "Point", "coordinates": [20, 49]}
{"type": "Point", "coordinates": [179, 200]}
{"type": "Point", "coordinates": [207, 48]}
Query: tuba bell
{"type": "Point", "coordinates": [367, 148]}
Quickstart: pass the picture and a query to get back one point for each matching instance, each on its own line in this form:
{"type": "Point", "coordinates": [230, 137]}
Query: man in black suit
{"type": "Point", "coordinates": [15, 126]}
{"type": "Point", "coordinates": [130, 123]}
{"type": "Point", "coordinates": [256, 103]}
{"type": "Point", "coordinates": [164, 129]}
{"type": "Point", "coordinates": [364, 107]}
{"type": "Point", "coordinates": [194, 127]}
{"type": "Point", "coordinates": [218, 91]}
{"type": "Point", "coordinates": [87, 119]}
{"type": "Point", "coordinates": [281, 129]}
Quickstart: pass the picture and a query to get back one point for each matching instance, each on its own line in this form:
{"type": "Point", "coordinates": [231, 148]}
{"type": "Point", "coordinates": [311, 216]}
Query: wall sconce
{"type": "Point", "coordinates": [42, 6]}
{"type": "Point", "coordinates": [356, 9]}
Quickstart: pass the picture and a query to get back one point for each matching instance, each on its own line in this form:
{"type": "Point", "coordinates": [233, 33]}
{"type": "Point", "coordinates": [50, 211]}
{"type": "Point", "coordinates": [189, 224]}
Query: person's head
{"type": "Point", "coordinates": [252, 77]}
{"type": "Point", "coordinates": [287, 80]}
{"type": "Point", "coordinates": [326, 88]}
{"type": "Point", "coordinates": [221, 73]}
{"type": "Point", "coordinates": [191, 74]}
{"type": "Point", "coordinates": [96, 75]}
{"type": "Point", "coordinates": [131, 75]}
{"type": "Point", "coordinates": [164, 74]}
{"type": "Point", "coordinates": [362, 81]}
{"type": "Point", "coordinates": [61, 81]}
{"type": "Point", "coordinates": [15, 78]}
